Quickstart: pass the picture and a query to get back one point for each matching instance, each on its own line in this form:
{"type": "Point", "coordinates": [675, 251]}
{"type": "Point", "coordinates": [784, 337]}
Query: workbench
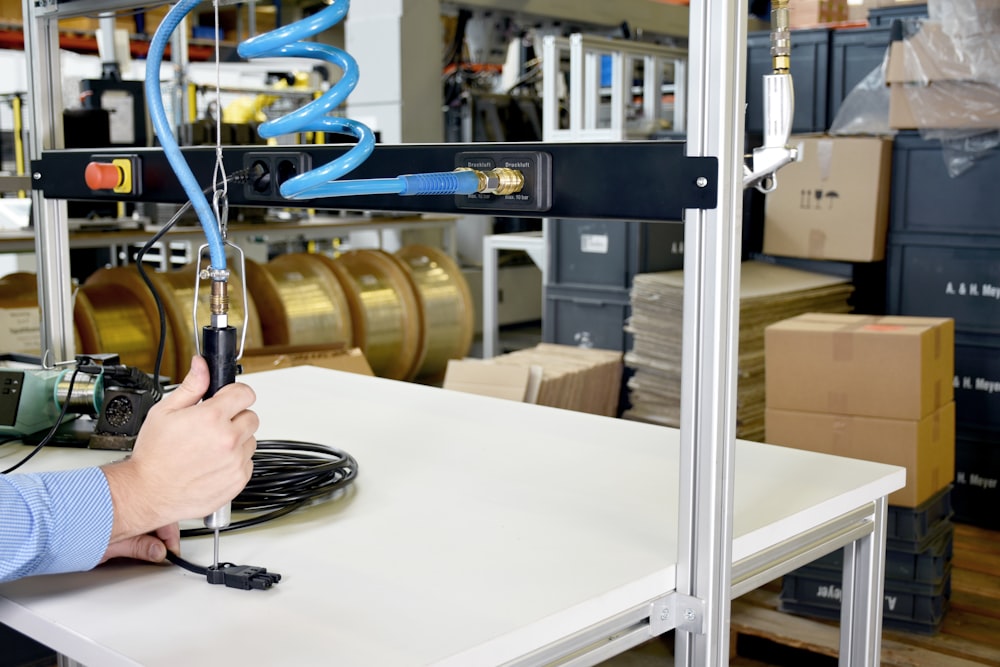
{"type": "Point", "coordinates": [479, 532]}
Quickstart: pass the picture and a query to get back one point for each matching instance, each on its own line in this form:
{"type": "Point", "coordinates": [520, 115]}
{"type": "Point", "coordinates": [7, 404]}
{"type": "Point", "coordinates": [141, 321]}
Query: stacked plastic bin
{"type": "Point", "coordinates": [944, 261]}
{"type": "Point", "coordinates": [917, 571]}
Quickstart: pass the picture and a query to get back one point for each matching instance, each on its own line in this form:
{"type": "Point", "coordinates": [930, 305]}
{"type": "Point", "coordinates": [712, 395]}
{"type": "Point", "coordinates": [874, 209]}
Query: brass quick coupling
{"type": "Point", "coordinates": [498, 181]}
{"type": "Point", "coordinates": [219, 297]}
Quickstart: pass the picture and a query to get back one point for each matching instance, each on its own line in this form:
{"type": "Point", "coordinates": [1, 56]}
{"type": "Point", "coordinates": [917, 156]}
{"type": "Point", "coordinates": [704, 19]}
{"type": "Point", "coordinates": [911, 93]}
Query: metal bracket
{"type": "Point", "coordinates": [676, 611]}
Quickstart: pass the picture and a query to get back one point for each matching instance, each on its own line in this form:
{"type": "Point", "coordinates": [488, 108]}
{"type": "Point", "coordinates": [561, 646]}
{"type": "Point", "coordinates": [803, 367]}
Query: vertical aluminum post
{"type": "Point", "coordinates": [712, 242]}
{"type": "Point", "coordinates": [49, 217]}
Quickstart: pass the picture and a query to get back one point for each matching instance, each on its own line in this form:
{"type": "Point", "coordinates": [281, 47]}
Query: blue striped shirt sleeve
{"type": "Point", "coordinates": [53, 522]}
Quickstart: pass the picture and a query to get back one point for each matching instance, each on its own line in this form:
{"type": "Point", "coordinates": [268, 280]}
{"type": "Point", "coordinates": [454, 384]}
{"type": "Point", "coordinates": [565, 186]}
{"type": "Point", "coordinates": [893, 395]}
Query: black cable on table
{"type": "Point", "coordinates": [287, 475]}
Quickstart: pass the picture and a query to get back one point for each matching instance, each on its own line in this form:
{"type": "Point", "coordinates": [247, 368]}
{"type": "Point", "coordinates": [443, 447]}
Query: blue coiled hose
{"type": "Point", "coordinates": [154, 98]}
{"type": "Point", "coordinates": [313, 117]}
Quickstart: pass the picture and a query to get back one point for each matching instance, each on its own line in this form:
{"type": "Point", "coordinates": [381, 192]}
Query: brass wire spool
{"type": "Point", "coordinates": [384, 310]}
{"type": "Point", "coordinates": [19, 290]}
{"type": "Point", "coordinates": [115, 312]}
{"type": "Point", "coordinates": [300, 301]}
{"type": "Point", "coordinates": [176, 289]}
{"type": "Point", "coordinates": [448, 309]}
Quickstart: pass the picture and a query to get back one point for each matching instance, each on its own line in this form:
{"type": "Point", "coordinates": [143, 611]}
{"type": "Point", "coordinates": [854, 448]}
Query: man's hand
{"type": "Point", "coordinates": [147, 547]}
{"type": "Point", "coordinates": [191, 457]}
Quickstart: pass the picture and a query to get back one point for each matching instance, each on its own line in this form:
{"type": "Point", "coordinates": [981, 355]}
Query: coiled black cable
{"type": "Point", "coordinates": [287, 475]}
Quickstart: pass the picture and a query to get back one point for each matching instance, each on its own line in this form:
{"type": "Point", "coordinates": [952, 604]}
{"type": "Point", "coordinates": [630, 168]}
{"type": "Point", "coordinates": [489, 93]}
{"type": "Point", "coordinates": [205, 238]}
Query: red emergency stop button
{"type": "Point", "coordinates": [103, 176]}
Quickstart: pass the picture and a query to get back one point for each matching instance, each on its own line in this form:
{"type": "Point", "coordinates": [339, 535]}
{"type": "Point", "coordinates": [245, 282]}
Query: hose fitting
{"type": "Point", "coordinates": [781, 38]}
{"type": "Point", "coordinates": [497, 181]}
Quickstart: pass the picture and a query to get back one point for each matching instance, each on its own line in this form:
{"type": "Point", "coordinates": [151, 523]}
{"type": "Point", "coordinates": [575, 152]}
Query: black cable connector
{"type": "Point", "coordinates": [244, 577]}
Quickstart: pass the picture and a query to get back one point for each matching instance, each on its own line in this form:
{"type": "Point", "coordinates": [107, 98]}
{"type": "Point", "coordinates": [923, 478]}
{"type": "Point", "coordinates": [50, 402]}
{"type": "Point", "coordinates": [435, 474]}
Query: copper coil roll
{"type": "Point", "coordinates": [446, 304]}
{"type": "Point", "coordinates": [300, 301]}
{"type": "Point", "coordinates": [176, 289]}
{"type": "Point", "coordinates": [115, 312]}
{"type": "Point", "coordinates": [384, 311]}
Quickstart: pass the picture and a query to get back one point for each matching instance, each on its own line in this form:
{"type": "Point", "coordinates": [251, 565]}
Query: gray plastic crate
{"type": "Point", "coordinates": [927, 567]}
{"type": "Point", "coordinates": [854, 53]}
{"type": "Point", "coordinates": [810, 71]}
{"type": "Point", "coordinates": [977, 382]}
{"type": "Point", "coordinates": [884, 16]}
{"type": "Point", "coordinates": [937, 275]}
{"type": "Point", "coordinates": [977, 479]}
{"type": "Point", "coordinates": [608, 253]}
{"type": "Point", "coordinates": [926, 199]}
{"type": "Point", "coordinates": [586, 317]}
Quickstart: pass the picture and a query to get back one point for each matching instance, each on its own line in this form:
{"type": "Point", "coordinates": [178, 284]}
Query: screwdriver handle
{"type": "Point", "coordinates": [219, 350]}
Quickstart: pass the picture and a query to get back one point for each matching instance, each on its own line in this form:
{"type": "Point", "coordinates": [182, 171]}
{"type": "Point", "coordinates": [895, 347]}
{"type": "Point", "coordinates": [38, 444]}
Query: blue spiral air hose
{"type": "Point", "coordinates": [154, 99]}
{"type": "Point", "coordinates": [287, 41]}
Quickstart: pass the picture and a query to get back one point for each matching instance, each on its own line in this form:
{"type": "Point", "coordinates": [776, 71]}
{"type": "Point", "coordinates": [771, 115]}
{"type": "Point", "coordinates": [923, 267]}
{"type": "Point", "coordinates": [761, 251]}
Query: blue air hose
{"type": "Point", "coordinates": [154, 98]}
{"type": "Point", "coordinates": [287, 41]}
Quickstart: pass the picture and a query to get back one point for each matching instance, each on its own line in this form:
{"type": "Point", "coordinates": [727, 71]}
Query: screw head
{"type": "Point", "coordinates": [37, 176]}
{"type": "Point", "coordinates": [665, 614]}
{"type": "Point", "coordinates": [689, 614]}
{"type": "Point", "coordinates": [701, 182]}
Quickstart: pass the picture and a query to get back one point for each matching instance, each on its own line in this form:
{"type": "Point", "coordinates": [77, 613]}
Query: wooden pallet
{"type": "Point", "coordinates": [969, 635]}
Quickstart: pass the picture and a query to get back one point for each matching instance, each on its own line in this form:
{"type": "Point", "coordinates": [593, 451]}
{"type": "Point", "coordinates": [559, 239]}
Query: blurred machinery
{"type": "Point", "coordinates": [97, 402]}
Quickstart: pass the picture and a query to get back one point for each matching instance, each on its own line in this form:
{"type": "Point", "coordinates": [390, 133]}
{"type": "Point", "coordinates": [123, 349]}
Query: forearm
{"type": "Point", "coordinates": [53, 522]}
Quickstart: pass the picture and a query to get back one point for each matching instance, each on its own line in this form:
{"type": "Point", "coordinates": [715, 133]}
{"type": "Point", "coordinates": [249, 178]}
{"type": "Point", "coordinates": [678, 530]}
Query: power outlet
{"type": "Point", "coordinates": [268, 171]}
{"type": "Point", "coordinates": [536, 166]}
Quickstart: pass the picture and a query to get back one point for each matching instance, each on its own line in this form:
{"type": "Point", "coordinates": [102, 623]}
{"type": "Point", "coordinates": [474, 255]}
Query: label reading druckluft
{"type": "Point", "coordinates": [535, 167]}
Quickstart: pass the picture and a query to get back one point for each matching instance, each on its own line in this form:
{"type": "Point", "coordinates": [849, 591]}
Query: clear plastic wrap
{"type": "Point", "coordinates": [945, 79]}
{"type": "Point", "coordinates": [865, 110]}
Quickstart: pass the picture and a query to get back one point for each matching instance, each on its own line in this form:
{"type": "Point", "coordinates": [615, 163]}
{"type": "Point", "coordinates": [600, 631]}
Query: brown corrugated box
{"type": "Point", "coordinates": [337, 357]}
{"type": "Point", "coordinates": [834, 203]}
{"type": "Point", "coordinates": [893, 367]}
{"type": "Point", "coordinates": [925, 447]}
{"type": "Point", "coordinates": [932, 84]}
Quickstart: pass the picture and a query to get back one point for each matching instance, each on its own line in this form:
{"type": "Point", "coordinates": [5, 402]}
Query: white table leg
{"type": "Point", "coordinates": [862, 595]}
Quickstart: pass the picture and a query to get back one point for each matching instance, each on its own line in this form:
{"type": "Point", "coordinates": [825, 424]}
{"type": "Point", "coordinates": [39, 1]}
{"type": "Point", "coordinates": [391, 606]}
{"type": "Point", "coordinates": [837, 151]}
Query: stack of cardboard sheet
{"type": "Point", "coordinates": [559, 376]}
{"type": "Point", "coordinates": [768, 294]}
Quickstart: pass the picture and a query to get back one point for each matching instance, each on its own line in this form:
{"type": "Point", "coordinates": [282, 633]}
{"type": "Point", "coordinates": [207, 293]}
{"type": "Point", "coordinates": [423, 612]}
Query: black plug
{"type": "Point", "coordinates": [244, 577]}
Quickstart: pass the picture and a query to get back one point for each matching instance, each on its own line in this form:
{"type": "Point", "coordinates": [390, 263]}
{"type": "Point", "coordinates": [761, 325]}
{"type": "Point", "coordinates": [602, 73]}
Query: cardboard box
{"type": "Point", "coordinates": [479, 376]}
{"type": "Point", "coordinates": [925, 447]}
{"type": "Point", "coordinates": [933, 84]}
{"type": "Point", "coordinates": [20, 330]}
{"type": "Point", "coordinates": [339, 358]}
{"type": "Point", "coordinates": [832, 204]}
{"type": "Point", "coordinates": [893, 367]}
{"type": "Point", "coordinates": [804, 13]}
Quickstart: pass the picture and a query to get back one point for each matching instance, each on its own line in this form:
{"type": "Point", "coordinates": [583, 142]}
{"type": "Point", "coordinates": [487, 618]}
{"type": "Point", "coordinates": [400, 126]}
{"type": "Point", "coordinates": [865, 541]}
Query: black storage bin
{"type": "Point", "coordinates": [938, 275]}
{"type": "Point", "coordinates": [977, 479]}
{"type": "Point", "coordinates": [608, 253]}
{"type": "Point", "coordinates": [810, 71]}
{"type": "Point", "coordinates": [854, 53]}
{"type": "Point", "coordinates": [926, 567]}
{"type": "Point", "coordinates": [586, 317]}
{"type": "Point", "coordinates": [915, 529]}
{"type": "Point", "coordinates": [911, 608]}
{"type": "Point", "coordinates": [977, 382]}
{"type": "Point", "coordinates": [926, 199]}
{"type": "Point", "coordinates": [884, 16]}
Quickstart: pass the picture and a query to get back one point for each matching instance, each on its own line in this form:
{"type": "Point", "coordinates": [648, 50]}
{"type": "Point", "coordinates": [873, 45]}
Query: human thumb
{"type": "Point", "coordinates": [142, 547]}
{"type": "Point", "coordinates": [192, 389]}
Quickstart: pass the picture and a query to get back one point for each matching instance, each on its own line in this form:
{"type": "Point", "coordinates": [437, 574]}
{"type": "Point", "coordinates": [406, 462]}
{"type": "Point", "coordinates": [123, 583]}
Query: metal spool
{"type": "Point", "coordinates": [448, 309]}
{"type": "Point", "coordinates": [384, 310]}
{"type": "Point", "coordinates": [300, 301]}
{"type": "Point", "coordinates": [115, 312]}
{"type": "Point", "coordinates": [176, 289]}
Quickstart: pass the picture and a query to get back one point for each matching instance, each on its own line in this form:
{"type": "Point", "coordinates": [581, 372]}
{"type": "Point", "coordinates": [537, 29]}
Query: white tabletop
{"type": "Point", "coordinates": [478, 530]}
